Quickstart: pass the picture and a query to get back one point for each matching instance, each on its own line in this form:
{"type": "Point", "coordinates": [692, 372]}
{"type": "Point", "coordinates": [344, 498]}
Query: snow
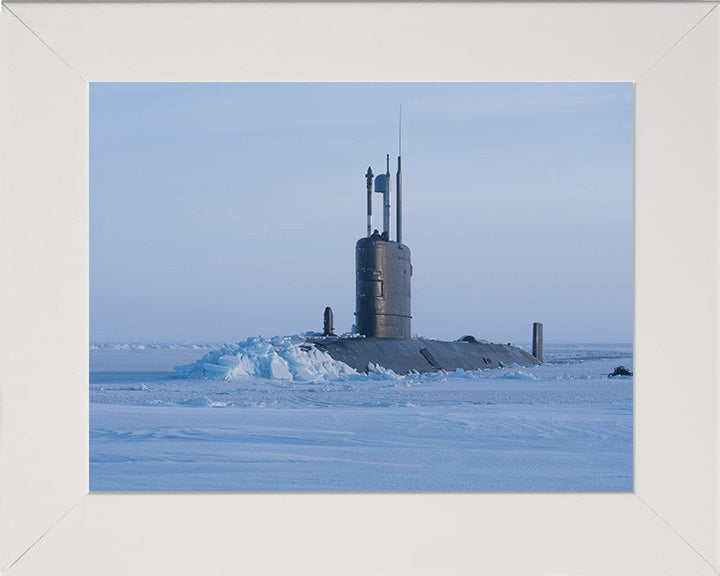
{"type": "Point", "coordinates": [265, 417]}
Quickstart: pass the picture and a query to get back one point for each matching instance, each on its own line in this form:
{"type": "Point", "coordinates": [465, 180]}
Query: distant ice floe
{"type": "Point", "coordinates": [289, 358]}
{"type": "Point", "coordinates": [136, 347]}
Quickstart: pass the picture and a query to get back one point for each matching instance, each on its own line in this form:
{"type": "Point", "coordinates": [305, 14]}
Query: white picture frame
{"type": "Point", "coordinates": [50, 524]}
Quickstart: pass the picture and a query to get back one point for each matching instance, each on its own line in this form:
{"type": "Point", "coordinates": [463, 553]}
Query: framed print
{"type": "Point", "coordinates": [50, 56]}
{"type": "Point", "coordinates": [419, 369]}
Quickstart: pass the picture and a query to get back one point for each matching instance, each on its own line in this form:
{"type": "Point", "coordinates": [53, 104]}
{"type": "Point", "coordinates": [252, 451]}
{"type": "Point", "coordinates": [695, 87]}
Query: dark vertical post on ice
{"type": "Point", "coordinates": [328, 328]}
{"type": "Point", "coordinates": [537, 341]}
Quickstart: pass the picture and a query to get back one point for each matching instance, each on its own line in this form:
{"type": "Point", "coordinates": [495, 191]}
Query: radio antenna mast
{"type": "Point", "coordinates": [400, 133]}
{"type": "Point", "coordinates": [398, 187]}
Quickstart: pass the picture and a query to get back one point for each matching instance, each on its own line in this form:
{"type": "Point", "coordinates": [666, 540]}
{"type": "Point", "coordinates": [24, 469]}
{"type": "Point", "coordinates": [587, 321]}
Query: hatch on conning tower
{"type": "Point", "coordinates": [383, 268]}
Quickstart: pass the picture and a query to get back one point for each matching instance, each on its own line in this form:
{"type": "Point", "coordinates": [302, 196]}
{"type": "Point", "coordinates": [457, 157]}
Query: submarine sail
{"type": "Point", "coordinates": [382, 276]}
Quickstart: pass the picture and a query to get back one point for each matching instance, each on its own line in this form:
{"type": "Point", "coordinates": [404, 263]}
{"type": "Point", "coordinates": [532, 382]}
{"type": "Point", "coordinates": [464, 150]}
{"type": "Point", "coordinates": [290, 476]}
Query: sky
{"type": "Point", "coordinates": [220, 211]}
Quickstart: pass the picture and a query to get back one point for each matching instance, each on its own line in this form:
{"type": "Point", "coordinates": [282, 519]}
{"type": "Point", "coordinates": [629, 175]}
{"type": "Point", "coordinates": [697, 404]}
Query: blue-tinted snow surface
{"type": "Point", "coordinates": [560, 426]}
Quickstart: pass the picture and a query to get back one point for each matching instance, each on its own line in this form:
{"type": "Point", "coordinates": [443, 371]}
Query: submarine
{"type": "Point", "coordinates": [382, 334]}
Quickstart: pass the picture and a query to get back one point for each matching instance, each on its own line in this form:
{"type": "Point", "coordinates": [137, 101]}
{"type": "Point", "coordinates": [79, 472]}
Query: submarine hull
{"type": "Point", "coordinates": [406, 355]}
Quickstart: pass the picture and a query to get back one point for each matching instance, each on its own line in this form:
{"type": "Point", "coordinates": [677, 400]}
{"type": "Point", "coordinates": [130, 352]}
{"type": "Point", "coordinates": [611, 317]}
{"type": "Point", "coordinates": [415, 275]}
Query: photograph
{"type": "Point", "coordinates": [361, 287]}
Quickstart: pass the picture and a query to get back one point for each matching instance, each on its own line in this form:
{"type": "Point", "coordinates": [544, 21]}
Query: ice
{"type": "Point", "coordinates": [151, 346]}
{"type": "Point", "coordinates": [288, 358]}
{"type": "Point", "coordinates": [519, 375]}
{"type": "Point", "coordinates": [275, 414]}
{"type": "Point", "coordinates": [376, 372]}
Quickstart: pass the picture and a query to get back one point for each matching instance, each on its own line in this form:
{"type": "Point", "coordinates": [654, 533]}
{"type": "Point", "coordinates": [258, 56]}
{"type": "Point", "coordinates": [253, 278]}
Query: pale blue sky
{"type": "Point", "coordinates": [222, 211]}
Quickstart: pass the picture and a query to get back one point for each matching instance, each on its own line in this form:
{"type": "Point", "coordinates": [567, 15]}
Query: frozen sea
{"type": "Point", "coordinates": [254, 417]}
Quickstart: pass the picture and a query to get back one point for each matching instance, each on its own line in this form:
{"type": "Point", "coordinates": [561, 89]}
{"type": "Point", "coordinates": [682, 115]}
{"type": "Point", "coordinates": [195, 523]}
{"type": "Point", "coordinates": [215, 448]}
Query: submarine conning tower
{"type": "Point", "coordinates": [382, 267]}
